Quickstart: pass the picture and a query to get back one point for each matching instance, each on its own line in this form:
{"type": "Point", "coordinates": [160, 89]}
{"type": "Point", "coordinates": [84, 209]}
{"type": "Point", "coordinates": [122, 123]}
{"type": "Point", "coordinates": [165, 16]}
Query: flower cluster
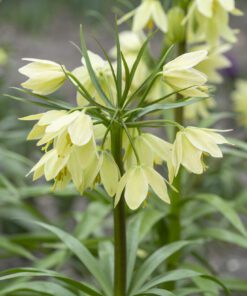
{"type": "Point", "coordinates": [78, 141]}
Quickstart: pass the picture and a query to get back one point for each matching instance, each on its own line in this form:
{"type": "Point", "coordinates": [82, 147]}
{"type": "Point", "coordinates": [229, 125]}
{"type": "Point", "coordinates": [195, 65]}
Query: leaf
{"type": "Point", "coordinates": [91, 70]}
{"type": "Point", "coordinates": [78, 249]}
{"type": "Point", "coordinates": [150, 218]}
{"type": "Point", "coordinates": [153, 261]}
{"type": "Point", "coordinates": [166, 106]}
{"type": "Point", "coordinates": [132, 246]}
{"type": "Point", "coordinates": [48, 288]}
{"type": "Point", "coordinates": [106, 251]}
{"type": "Point", "coordinates": [33, 272]}
{"type": "Point", "coordinates": [236, 284]}
{"type": "Point", "coordinates": [91, 218]}
{"type": "Point", "coordinates": [225, 236]}
{"type": "Point", "coordinates": [15, 248]}
{"type": "Point", "coordinates": [175, 275]}
{"type": "Point", "coordinates": [159, 292]}
{"type": "Point", "coordinates": [225, 209]}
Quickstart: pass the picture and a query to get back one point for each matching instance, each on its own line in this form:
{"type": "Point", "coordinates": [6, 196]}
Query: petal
{"type": "Point", "coordinates": [186, 61]}
{"type": "Point", "coordinates": [202, 141]}
{"type": "Point", "coordinates": [51, 116]}
{"type": "Point", "coordinates": [81, 130]}
{"type": "Point", "coordinates": [75, 171]}
{"type": "Point", "coordinates": [159, 16]}
{"type": "Point", "coordinates": [142, 16]}
{"type": "Point", "coordinates": [205, 7]}
{"type": "Point", "coordinates": [192, 157]}
{"type": "Point", "coordinates": [228, 5]}
{"type": "Point", "coordinates": [177, 152]}
{"type": "Point", "coordinates": [136, 188]}
{"type": "Point", "coordinates": [45, 158]}
{"type": "Point", "coordinates": [61, 122]}
{"type": "Point", "coordinates": [109, 174]}
{"type": "Point", "coordinates": [120, 187]}
{"type": "Point", "coordinates": [54, 166]}
{"type": "Point", "coordinates": [157, 183]}
{"type": "Point", "coordinates": [32, 117]}
{"type": "Point", "coordinates": [36, 133]}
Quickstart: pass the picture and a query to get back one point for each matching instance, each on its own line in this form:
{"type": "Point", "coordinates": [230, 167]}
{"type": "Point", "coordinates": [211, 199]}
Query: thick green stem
{"type": "Point", "coordinates": [119, 220]}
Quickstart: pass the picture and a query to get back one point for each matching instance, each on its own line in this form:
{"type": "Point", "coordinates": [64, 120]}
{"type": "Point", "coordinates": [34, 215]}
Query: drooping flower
{"type": "Point", "coordinates": [73, 154]}
{"type": "Point", "coordinates": [131, 43]}
{"type": "Point", "coordinates": [212, 18]}
{"type": "Point", "coordinates": [136, 182]}
{"type": "Point", "coordinates": [215, 62]}
{"type": "Point", "coordinates": [103, 73]}
{"type": "Point", "coordinates": [109, 173]}
{"type": "Point", "coordinates": [181, 74]}
{"type": "Point", "coordinates": [240, 101]}
{"type": "Point", "coordinates": [191, 144]}
{"type": "Point", "coordinates": [45, 77]}
{"type": "Point", "coordinates": [149, 12]}
{"type": "Point", "coordinates": [199, 110]}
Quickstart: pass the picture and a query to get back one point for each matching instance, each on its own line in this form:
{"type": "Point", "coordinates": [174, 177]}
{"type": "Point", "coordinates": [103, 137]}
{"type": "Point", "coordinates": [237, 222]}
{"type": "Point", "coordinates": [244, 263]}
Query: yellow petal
{"type": "Point", "coordinates": [32, 117]}
{"type": "Point", "coordinates": [228, 5]}
{"type": "Point", "coordinates": [202, 141]}
{"type": "Point", "coordinates": [109, 174]}
{"type": "Point", "coordinates": [157, 183]}
{"type": "Point", "coordinates": [81, 130]}
{"type": "Point", "coordinates": [37, 132]}
{"type": "Point", "coordinates": [186, 61]}
{"type": "Point", "coordinates": [142, 16]}
{"type": "Point", "coordinates": [76, 171]}
{"type": "Point", "coordinates": [206, 7]}
{"type": "Point", "coordinates": [136, 188]}
{"type": "Point", "coordinates": [120, 187]}
{"type": "Point", "coordinates": [159, 16]}
{"type": "Point", "coordinates": [51, 116]}
{"type": "Point", "coordinates": [61, 122]}
{"type": "Point", "coordinates": [177, 152]}
{"type": "Point", "coordinates": [192, 157]}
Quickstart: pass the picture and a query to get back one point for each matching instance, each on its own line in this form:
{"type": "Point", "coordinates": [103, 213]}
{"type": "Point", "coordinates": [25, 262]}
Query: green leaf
{"type": "Point", "coordinates": [106, 258]}
{"type": "Point", "coordinates": [235, 284]}
{"type": "Point", "coordinates": [158, 292]}
{"type": "Point", "coordinates": [13, 248]}
{"type": "Point", "coordinates": [225, 209]}
{"type": "Point", "coordinates": [172, 276]}
{"type": "Point", "coordinates": [33, 272]}
{"type": "Point", "coordinates": [132, 246]}
{"type": "Point", "coordinates": [225, 236]}
{"type": "Point", "coordinates": [166, 106]}
{"type": "Point", "coordinates": [91, 70]}
{"type": "Point", "coordinates": [153, 261]}
{"type": "Point", "coordinates": [48, 288]}
{"type": "Point", "coordinates": [78, 249]}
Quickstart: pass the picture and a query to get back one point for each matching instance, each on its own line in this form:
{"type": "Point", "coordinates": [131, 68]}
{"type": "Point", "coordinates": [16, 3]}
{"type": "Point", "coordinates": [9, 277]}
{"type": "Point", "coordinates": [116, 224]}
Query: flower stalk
{"type": "Point", "coordinates": [120, 266]}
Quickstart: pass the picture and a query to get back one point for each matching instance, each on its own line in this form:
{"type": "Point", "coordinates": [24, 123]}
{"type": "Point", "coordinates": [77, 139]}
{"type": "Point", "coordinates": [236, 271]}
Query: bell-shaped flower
{"type": "Point", "coordinates": [212, 19]}
{"type": "Point", "coordinates": [45, 77]}
{"type": "Point", "coordinates": [104, 75]}
{"type": "Point", "coordinates": [109, 173]}
{"type": "Point", "coordinates": [149, 12]}
{"type": "Point", "coordinates": [215, 62]}
{"type": "Point", "coordinates": [240, 101]}
{"type": "Point", "coordinates": [181, 74]}
{"type": "Point", "coordinates": [151, 150]}
{"type": "Point", "coordinates": [136, 182]}
{"type": "Point", "coordinates": [191, 144]}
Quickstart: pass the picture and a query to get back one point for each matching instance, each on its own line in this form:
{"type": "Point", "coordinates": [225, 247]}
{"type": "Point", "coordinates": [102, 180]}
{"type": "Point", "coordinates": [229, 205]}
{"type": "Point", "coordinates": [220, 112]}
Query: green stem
{"type": "Point", "coordinates": [119, 219]}
{"type": "Point", "coordinates": [175, 215]}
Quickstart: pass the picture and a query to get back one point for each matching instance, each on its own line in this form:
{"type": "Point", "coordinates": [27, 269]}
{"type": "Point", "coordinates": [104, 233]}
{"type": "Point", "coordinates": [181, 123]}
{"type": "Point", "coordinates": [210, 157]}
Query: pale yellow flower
{"type": "Point", "coordinates": [180, 74]}
{"type": "Point", "coordinates": [240, 101]}
{"type": "Point", "coordinates": [176, 31]}
{"type": "Point", "coordinates": [215, 62]}
{"type": "Point", "coordinates": [191, 144]}
{"type": "Point", "coordinates": [73, 155]}
{"type": "Point", "coordinates": [136, 182]}
{"type": "Point", "coordinates": [104, 75]}
{"type": "Point", "coordinates": [109, 173]}
{"type": "Point", "coordinates": [150, 149]}
{"type": "Point", "coordinates": [212, 17]}
{"type": "Point", "coordinates": [149, 12]}
{"type": "Point", "coordinates": [45, 77]}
